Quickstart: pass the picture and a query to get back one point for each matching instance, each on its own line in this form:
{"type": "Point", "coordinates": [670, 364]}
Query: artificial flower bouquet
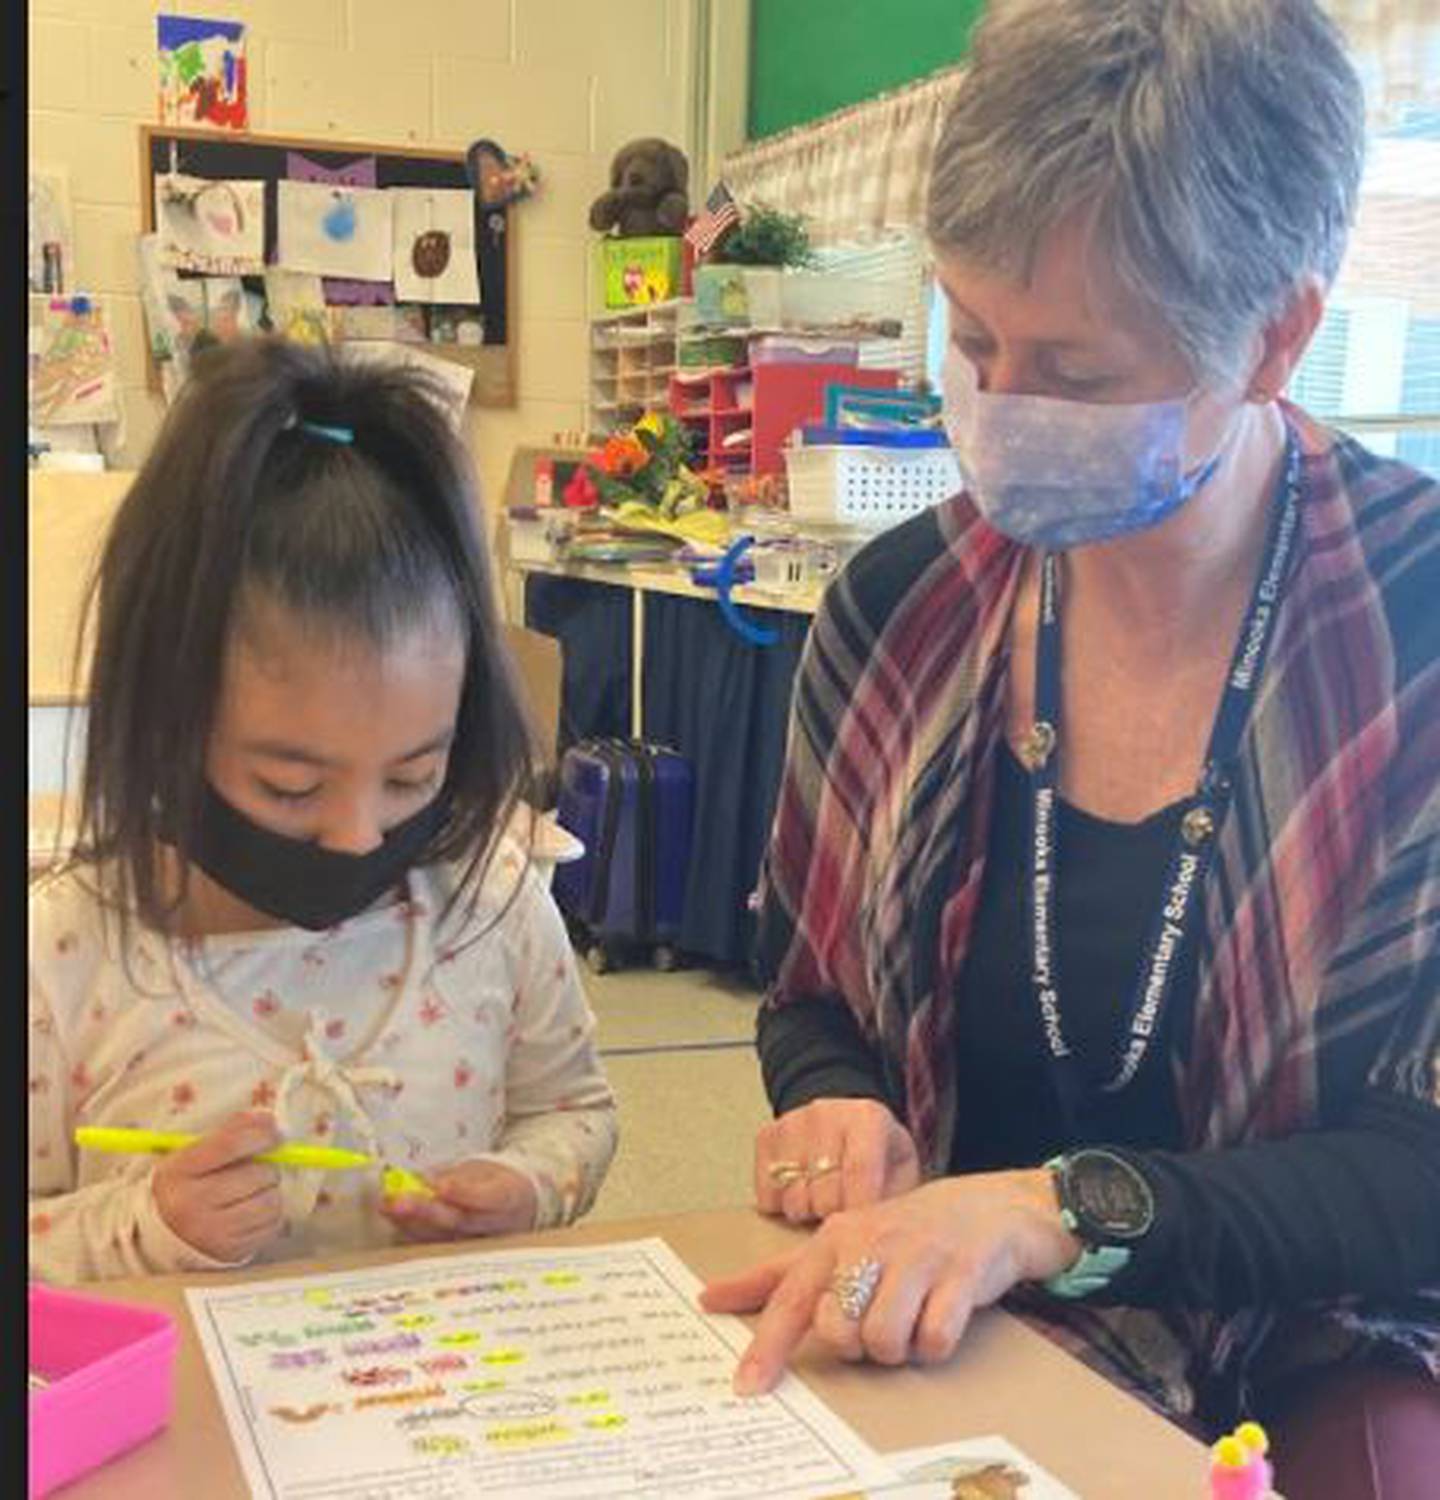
{"type": "Point", "coordinates": [640, 481]}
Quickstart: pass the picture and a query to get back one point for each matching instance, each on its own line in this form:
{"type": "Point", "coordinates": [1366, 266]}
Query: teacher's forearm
{"type": "Point", "coordinates": [1319, 1215]}
{"type": "Point", "coordinates": [814, 1049]}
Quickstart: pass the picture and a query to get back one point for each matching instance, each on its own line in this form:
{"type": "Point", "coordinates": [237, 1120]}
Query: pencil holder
{"type": "Point", "coordinates": [109, 1370]}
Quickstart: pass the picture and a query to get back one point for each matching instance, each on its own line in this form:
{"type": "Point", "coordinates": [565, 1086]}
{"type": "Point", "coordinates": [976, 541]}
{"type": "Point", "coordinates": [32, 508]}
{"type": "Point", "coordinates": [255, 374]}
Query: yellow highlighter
{"type": "Point", "coordinates": [399, 1182]}
{"type": "Point", "coordinates": [302, 1154]}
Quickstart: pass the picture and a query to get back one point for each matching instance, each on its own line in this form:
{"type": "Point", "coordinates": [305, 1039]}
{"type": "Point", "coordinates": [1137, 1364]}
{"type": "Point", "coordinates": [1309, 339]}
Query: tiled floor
{"type": "Point", "coordinates": [678, 1049]}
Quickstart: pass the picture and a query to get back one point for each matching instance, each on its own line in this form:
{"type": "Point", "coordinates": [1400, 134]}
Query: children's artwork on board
{"type": "Point", "coordinates": [202, 72]}
{"type": "Point", "coordinates": [51, 249]}
{"type": "Point", "coordinates": [183, 313]}
{"type": "Point", "coordinates": [212, 225]}
{"type": "Point", "coordinates": [401, 322]}
{"type": "Point", "coordinates": [227, 309]}
{"type": "Point", "coordinates": [295, 301]}
{"type": "Point", "coordinates": [333, 230]}
{"type": "Point", "coordinates": [451, 382]}
{"type": "Point", "coordinates": [435, 245]}
{"type": "Point", "coordinates": [359, 173]}
{"type": "Point", "coordinates": [162, 328]}
{"type": "Point", "coordinates": [72, 377]}
{"type": "Point", "coordinates": [456, 325]}
{"type": "Point", "coordinates": [208, 309]}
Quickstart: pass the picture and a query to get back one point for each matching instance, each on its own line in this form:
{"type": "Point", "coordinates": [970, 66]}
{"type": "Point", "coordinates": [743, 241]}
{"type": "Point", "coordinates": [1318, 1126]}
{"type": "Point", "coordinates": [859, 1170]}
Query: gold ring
{"type": "Point", "coordinates": [821, 1166]}
{"type": "Point", "coordinates": [784, 1172]}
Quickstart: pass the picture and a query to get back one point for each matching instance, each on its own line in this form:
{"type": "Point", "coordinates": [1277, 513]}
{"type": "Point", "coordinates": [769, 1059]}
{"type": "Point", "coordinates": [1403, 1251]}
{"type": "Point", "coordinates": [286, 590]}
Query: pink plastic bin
{"type": "Point", "coordinates": [110, 1367]}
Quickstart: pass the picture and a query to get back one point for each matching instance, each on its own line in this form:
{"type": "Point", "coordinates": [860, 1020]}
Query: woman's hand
{"type": "Point", "coordinates": [832, 1154]}
{"type": "Point", "coordinates": [942, 1250]}
{"type": "Point", "coordinates": [471, 1198]}
{"type": "Point", "coordinates": [215, 1197]}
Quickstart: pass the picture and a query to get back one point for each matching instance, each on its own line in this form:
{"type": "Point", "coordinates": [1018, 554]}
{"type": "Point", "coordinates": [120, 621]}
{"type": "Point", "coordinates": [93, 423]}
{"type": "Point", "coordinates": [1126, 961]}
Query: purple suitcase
{"type": "Point", "coordinates": [632, 805]}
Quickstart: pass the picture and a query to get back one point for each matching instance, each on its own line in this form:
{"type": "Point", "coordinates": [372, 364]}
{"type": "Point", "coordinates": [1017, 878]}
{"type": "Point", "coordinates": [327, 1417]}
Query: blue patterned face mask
{"type": "Point", "coordinates": [1057, 474]}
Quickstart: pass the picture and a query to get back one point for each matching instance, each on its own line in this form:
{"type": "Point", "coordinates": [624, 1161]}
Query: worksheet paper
{"type": "Point", "coordinates": [553, 1374]}
{"type": "Point", "coordinates": [983, 1468]}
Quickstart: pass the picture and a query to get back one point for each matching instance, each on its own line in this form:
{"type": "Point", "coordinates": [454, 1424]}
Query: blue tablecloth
{"type": "Point", "coordinates": [723, 703]}
{"type": "Point", "coordinates": [592, 623]}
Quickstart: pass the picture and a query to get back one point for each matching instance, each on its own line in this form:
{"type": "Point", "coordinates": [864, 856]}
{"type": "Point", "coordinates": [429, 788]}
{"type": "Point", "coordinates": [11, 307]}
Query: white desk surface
{"type": "Point", "coordinates": [660, 579]}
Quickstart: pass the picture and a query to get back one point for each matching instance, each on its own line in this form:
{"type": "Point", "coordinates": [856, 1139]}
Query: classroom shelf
{"type": "Point", "coordinates": [633, 355]}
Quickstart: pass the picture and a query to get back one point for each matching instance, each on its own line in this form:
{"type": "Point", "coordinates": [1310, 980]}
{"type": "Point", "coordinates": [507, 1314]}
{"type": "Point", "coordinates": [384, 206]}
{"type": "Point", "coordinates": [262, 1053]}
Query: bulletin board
{"type": "Point", "coordinates": [207, 154]}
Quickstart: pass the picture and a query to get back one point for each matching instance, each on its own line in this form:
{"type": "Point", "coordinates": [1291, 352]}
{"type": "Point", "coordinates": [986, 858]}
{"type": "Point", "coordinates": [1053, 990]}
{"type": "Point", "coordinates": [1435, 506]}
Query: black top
{"type": "Point", "coordinates": [1110, 877]}
{"type": "Point", "coordinates": [1350, 1208]}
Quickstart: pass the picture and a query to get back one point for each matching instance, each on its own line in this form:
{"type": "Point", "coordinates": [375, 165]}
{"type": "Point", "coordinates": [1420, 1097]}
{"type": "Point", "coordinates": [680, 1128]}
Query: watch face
{"type": "Point", "coordinates": [1109, 1196]}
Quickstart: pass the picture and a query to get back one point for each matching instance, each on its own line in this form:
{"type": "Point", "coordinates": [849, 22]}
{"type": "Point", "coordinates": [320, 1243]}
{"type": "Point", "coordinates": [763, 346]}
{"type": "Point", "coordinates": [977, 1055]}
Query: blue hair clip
{"type": "Point", "coordinates": [330, 434]}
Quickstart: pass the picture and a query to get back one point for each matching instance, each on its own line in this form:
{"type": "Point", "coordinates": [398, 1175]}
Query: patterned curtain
{"type": "Point", "coordinates": [861, 172]}
{"type": "Point", "coordinates": [1396, 47]}
{"type": "Point", "coordinates": [856, 175]}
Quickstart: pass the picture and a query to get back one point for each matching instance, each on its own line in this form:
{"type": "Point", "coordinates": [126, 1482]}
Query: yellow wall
{"type": "Point", "coordinates": [566, 80]}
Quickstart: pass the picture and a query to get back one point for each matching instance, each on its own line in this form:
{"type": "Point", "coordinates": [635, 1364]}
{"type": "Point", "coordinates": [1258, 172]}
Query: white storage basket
{"type": "Point", "coordinates": [537, 539]}
{"type": "Point", "coordinates": [867, 486]}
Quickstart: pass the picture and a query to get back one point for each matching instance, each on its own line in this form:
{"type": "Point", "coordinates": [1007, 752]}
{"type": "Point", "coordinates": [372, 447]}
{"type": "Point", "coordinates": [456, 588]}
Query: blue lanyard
{"type": "Point", "coordinates": [1200, 822]}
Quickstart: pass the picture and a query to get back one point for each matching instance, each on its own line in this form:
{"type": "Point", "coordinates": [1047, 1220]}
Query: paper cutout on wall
{"type": "Point", "coordinates": [334, 230]}
{"type": "Point", "coordinates": [498, 178]}
{"type": "Point", "coordinates": [359, 173]}
{"type": "Point", "coordinates": [212, 225]}
{"type": "Point", "coordinates": [202, 72]}
{"type": "Point", "coordinates": [71, 363]}
{"type": "Point", "coordinates": [435, 245]}
{"type": "Point", "coordinates": [295, 301]}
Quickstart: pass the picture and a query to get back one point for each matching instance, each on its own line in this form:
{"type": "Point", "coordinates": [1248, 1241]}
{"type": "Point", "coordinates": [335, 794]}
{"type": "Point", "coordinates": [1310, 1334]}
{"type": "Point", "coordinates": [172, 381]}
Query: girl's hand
{"type": "Point", "coordinates": [943, 1250]}
{"type": "Point", "coordinates": [215, 1197]}
{"type": "Point", "coordinates": [471, 1198]}
{"type": "Point", "coordinates": [832, 1154]}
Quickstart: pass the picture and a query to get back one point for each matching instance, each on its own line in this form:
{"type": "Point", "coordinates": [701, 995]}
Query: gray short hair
{"type": "Point", "coordinates": [1220, 143]}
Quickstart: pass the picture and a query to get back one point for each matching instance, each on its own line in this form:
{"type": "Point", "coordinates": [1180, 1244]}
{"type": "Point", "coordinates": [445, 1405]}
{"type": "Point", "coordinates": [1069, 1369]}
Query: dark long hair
{"type": "Point", "coordinates": [238, 500]}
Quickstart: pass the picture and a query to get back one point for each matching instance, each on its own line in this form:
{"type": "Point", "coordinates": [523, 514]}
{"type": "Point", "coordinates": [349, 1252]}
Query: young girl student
{"type": "Point", "coordinates": [292, 914]}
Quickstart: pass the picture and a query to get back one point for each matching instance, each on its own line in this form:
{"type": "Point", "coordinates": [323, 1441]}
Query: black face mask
{"type": "Point", "coordinates": [297, 880]}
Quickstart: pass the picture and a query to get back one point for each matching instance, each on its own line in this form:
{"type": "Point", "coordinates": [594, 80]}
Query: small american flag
{"type": "Point", "coordinates": [720, 215]}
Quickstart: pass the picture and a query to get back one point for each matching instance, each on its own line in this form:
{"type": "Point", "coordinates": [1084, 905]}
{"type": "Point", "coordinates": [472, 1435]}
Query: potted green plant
{"type": "Point", "coordinates": [766, 237]}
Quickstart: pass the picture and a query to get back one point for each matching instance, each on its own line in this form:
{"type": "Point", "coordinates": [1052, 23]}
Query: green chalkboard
{"type": "Point", "coordinates": [809, 57]}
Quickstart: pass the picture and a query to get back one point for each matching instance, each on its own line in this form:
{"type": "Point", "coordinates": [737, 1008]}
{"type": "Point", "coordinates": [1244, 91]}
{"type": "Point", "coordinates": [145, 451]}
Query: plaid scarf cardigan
{"type": "Point", "coordinates": [1320, 911]}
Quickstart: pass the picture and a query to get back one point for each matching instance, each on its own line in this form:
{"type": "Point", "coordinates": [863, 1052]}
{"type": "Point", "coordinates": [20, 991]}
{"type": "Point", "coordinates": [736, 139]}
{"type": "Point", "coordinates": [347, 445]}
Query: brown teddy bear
{"type": "Point", "coordinates": [648, 195]}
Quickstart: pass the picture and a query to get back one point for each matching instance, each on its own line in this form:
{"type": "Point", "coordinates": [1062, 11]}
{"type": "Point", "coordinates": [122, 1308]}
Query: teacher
{"type": "Point", "coordinates": [1099, 919]}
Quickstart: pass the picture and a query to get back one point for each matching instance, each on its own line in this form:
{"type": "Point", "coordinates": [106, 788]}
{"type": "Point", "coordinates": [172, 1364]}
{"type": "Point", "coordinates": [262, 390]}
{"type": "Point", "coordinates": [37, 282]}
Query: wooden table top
{"type": "Point", "coordinates": [1006, 1380]}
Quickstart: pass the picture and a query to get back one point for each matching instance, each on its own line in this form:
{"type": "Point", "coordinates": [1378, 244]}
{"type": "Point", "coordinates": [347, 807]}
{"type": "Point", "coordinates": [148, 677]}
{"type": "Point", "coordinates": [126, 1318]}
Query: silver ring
{"type": "Point", "coordinates": [855, 1286]}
